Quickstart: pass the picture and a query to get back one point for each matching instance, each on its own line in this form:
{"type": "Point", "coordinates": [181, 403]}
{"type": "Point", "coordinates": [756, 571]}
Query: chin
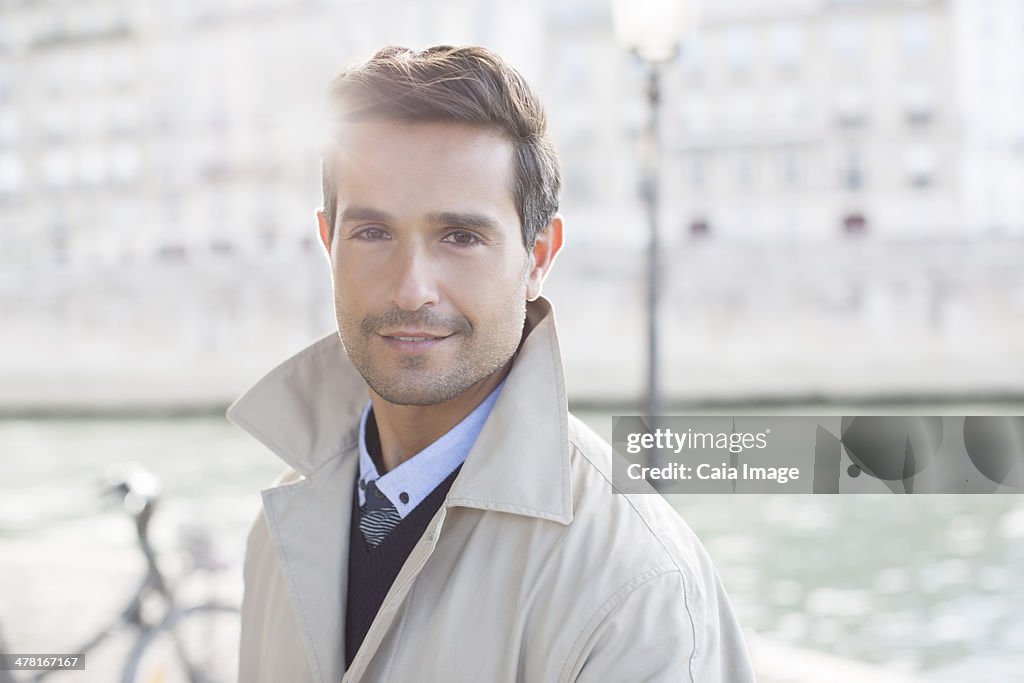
{"type": "Point", "coordinates": [414, 398]}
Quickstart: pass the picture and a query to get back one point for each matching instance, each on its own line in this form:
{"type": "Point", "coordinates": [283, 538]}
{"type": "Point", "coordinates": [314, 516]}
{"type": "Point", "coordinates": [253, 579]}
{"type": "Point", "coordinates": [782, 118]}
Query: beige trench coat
{"type": "Point", "coordinates": [532, 569]}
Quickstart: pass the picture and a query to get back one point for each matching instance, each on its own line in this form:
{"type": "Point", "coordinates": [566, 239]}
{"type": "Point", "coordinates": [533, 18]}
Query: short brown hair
{"type": "Point", "coordinates": [461, 84]}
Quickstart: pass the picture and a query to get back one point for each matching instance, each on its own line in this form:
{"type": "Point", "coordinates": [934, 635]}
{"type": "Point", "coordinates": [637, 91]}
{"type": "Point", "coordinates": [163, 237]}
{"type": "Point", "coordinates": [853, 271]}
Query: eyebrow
{"type": "Point", "coordinates": [461, 218]}
{"type": "Point", "coordinates": [477, 221]}
{"type": "Point", "coordinates": [364, 213]}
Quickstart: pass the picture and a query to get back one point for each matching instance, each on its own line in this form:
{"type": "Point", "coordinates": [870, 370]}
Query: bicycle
{"type": "Point", "coordinates": [196, 643]}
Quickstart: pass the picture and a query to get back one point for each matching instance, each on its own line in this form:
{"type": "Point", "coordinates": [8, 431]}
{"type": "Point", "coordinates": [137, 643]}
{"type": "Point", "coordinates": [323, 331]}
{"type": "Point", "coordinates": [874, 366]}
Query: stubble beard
{"type": "Point", "coordinates": [409, 380]}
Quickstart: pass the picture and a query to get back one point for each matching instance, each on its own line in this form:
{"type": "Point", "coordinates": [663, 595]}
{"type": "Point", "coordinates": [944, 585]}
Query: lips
{"type": "Point", "coordinates": [413, 341]}
{"type": "Point", "coordinates": [413, 336]}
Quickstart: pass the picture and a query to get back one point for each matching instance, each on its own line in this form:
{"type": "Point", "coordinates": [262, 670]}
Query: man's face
{"type": "Point", "coordinates": [431, 277]}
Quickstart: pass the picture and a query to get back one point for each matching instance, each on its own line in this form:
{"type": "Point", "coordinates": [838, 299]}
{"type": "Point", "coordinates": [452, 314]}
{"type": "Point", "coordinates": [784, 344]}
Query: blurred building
{"type": "Point", "coordinates": [159, 166]}
{"type": "Point", "coordinates": [806, 119]}
{"type": "Point", "coordinates": [143, 130]}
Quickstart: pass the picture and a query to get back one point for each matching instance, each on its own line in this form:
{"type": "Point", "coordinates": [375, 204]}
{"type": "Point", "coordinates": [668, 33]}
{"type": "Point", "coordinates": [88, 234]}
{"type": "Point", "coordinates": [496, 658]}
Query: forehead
{"type": "Point", "coordinates": [434, 166]}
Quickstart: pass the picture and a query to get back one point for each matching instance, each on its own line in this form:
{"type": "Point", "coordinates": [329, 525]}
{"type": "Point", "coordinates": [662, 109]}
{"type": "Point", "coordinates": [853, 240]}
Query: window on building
{"type": "Point", "coordinates": [739, 111]}
{"type": "Point", "coordinates": [59, 241]}
{"type": "Point", "coordinates": [9, 125]}
{"type": "Point", "coordinates": [92, 116]}
{"type": "Point", "coordinates": [853, 171]}
{"type": "Point", "coordinates": [124, 163]}
{"type": "Point", "coordinates": [744, 169]}
{"type": "Point", "coordinates": [919, 103]}
{"type": "Point", "coordinates": [789, 163]}
{"type": "Point", "coordinates": [921, 164]}
{"type": "Point", "coordinates": [11, 173]}
{"type": "Point", "coordinates": [696, 113]}
{"type": "Point", "coordinates": [739, 48]}
{"type": "Point", "coordinates": [91, 70]}
{"type": "Point", "coordinates": [58, 168]}
{"type": "Point", "coordinates": [57, 79]}
{"type": "Point", "coordinates": [122, 69]}
{"type": "Point", "coordinates": [916, 34]}
{"type": "Point", "coordinates": [56, 123]}
{"type": "Point", "coordinates": [788, 42]}
{"type": "Point", "coordinates": [698, 170]}
{"type": "Point", "coordinates": [699, 228]}
{"type": "Point", "coordinates": [124, 115]}
{"type": "Point", "coordinates": [692, 60]}
{"type": "Point", "coordinates": [790, 108]}
{"type": "Point", "coordinates": [855, 224]}
{"type": "Point", "coordinates": [92, 166]}
{"type": "Point", "coordinates": [571, 69]}
{"type": "Point", "coordinates": [578, 182]}
{"type": "Point", "coordinates": [268, 237]}
{"type": "Point", "coordinates": [851, 107]}
{"type": "Point", "coordinates": [571, 13]}
{"type": "Point", "coordinates": [848, 39]}
{"type": "Point", "coordinates": [221, 247]}
{"type": "Point", "coordinates": [172, 253]}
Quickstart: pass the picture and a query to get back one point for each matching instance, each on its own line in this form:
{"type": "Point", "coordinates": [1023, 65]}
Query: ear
{"type": "Point", "coordinates": [545, 249]}
{"type": "Point", "coordinates": [325, 239]}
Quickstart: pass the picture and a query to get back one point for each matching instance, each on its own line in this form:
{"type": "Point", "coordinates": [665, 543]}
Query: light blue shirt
{"type": "Point", "coordinates": [420, 474]}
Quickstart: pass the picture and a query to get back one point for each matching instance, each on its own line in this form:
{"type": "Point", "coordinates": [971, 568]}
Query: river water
{"type": "Point", "coordinates": [925, 584]}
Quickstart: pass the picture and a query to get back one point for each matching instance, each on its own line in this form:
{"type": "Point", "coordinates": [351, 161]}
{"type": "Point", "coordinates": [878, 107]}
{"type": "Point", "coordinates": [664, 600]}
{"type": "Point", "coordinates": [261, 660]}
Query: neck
{"type": "Point", "coordinates": [406, 430]}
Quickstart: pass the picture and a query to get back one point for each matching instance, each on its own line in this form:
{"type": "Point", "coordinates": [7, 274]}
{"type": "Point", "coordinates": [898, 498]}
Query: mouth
{"type": "Point", "coordinates": [414, 336]}
{"type": "Point", "coordinates": [410, 339]}
{"type": "Point", "coordinates": [405, 340]}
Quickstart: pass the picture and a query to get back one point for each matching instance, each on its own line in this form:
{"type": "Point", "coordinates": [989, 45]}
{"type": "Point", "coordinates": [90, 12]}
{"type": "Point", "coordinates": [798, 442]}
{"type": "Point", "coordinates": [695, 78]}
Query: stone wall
{"type": "Point", "coordinates": [737, 322]}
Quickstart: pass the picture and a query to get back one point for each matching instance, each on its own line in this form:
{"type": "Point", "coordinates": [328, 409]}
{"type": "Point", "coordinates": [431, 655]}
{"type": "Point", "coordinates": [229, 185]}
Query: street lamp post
{"type": "Point", "coordinates": [653, 30]}
{"type": "Point", "coordinates": [651, 161]}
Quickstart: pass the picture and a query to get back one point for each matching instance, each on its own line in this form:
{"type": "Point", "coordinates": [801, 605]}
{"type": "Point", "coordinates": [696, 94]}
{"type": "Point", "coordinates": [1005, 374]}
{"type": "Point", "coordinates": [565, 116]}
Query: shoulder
{"type": "Point", "coordinates": [633, 538]}
{"type": "Point", "coordinates": [652, 532]}
{"type": "Point", "coordinates": [658, 582]}
{"type": "Point", "coordinates": [259, 552]}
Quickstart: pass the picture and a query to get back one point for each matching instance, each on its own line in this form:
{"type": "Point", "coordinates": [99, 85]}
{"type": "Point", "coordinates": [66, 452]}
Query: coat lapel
{"type": "Point", "coordinates": [520, 461]}
{"type": "Point", "coordinates": [307, 411]}
{"type": "Point", "coordinates": [309, 528]}
{"type": "Point", "coordinates": [396, 596]}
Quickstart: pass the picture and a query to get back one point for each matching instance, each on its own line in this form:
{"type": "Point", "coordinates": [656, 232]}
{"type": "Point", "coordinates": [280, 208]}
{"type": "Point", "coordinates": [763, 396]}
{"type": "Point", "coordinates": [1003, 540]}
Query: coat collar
{"type": "Point", "coordinates": [307, 412]}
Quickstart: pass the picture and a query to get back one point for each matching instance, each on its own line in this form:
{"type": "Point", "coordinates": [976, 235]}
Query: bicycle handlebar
{"type": "Point", "coordinates": [139, 490]}
{"type": "Point", "coordinates": [137, 487]}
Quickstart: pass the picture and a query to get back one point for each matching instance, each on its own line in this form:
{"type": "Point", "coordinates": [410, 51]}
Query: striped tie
{"type": "Point", "coordinates": [378, 516]}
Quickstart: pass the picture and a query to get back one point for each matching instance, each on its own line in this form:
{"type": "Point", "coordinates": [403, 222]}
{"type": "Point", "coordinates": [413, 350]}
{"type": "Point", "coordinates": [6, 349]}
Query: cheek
{"type": "Point", "coordinates": [496, 305]}
{"type": "Point", "coordinates": [354, 279]}
{"type": "Point", "coordinates": [350, 300]}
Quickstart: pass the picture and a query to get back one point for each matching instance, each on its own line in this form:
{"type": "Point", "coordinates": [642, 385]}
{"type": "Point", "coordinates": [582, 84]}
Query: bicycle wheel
{"type": "Point", "coordinates": [196, 645]}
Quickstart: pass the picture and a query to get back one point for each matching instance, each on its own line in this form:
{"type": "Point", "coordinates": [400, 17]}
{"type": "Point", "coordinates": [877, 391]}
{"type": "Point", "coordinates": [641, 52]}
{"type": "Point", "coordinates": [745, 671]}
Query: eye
{"type": "Point", "coordinates": [462, 238]}
{"type": "Point", "coordinates": [372, 234]}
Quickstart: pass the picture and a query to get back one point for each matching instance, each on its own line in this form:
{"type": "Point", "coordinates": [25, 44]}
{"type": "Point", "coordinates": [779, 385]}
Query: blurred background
{"type": "Point", "coordinates": [837, 189]}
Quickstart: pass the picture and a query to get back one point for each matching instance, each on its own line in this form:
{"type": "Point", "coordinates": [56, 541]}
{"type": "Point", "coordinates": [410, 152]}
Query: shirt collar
{"type": "Point", "coordinates": [307, 412]}
{"type": "Point", "coordinates": [420, 474]}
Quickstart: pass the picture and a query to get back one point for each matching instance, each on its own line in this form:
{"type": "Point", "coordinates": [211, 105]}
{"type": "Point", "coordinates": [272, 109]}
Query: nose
{"type": "Point", "coordinates": [415, 282]}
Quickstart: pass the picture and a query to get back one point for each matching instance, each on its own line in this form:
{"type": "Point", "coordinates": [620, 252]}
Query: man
{"type": "Point", "coordinates": [444, 518]}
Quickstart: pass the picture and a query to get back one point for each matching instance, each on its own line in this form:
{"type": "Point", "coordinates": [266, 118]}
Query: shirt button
{"type": "Point", "coordinates": [362, 484]}
{"type": "Point", "coordinates": [377, 492]}
{"type": "Point", "coordinates": [404, 497]}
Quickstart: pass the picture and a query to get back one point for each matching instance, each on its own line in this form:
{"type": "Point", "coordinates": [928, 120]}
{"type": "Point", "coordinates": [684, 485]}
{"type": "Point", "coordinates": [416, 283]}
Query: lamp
{"type": "Point", "coordinates": [653, 30]}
